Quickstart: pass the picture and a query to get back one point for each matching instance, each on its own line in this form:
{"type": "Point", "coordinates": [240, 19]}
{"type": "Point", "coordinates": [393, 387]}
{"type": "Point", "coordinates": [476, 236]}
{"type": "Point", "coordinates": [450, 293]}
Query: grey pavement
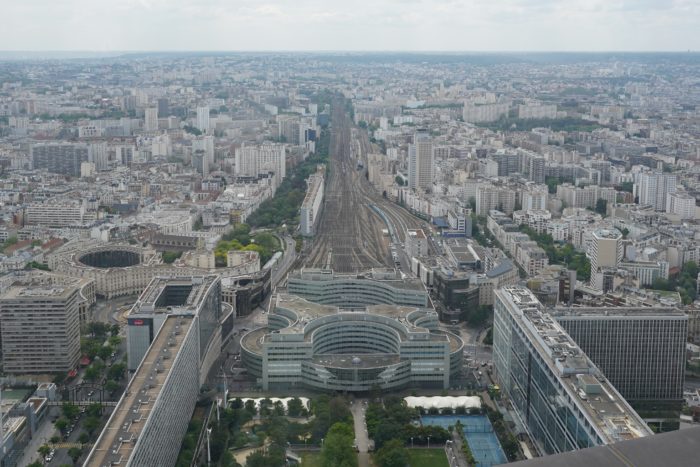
{"type": "Point", "coordinates": [455, 455]}
{"type": "Point", "coordinates": [358, 408]}
{"type": "Point", "coordinates": [44, 433]}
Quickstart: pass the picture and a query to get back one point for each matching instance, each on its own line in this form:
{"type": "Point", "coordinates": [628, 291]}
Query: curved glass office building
{"type": "Point", "coordinates": [351, 346]}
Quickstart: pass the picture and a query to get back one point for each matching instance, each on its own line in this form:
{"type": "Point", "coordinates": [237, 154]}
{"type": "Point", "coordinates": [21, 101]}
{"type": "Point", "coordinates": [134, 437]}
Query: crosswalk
{"type": "Point", "coordinates": [70, 445]}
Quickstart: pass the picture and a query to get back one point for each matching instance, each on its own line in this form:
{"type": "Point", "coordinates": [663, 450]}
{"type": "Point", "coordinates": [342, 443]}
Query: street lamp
{"type": "Point", "coordinates": [411, 441]}
{"type": "Point", "coordinates": [428, 442]}
{"type": "Point", "coordinates": [208, 446]}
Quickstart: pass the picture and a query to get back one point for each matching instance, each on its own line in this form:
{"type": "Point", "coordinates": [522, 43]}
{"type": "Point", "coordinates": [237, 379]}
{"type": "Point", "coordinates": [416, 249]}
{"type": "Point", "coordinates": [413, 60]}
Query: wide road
{"type": "Point", "coordinates": [349, 235]}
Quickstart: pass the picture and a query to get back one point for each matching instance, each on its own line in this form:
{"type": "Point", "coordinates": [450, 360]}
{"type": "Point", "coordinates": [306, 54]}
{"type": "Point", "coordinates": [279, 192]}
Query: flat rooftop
{"type": "Point", "coordinates": [612, 415]}
{"type": "Point", "coordinates": [417, 233]}
{"type": "Point", "coordinates": [192, 291]}
{"type": "Point", "coordinates": [610, 234]}
{"type": "Point", "coordinates": [253, 340]}
{"type": "Point", "coordinates": [315, 181]}
{"type": "Point", "coordinates": [356, 361]}
{"type": "Point", "coordinates": [32, 291]}
{"type": "Point", "coordinates": [384, 276]}
{"type": "Point", "coordinates": [119, 437]}
{"type": "Point", "coordinates": [618, 311]}
{"type": "Point", "coordinates": [462, 250]}
{"type": "Point", "coordinates": [304, 312]}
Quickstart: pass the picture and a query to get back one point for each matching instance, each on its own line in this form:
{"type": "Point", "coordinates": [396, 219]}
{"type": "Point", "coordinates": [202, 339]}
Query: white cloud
{"type": "Point", "coordinates": [351, 25]}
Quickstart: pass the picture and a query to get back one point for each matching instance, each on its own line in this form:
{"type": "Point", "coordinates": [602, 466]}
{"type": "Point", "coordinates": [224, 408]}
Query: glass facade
{"type": "Point", "coordinates": [351, 352]}
{"type": "Point", "coordinates": [559, 396]}
{"type": "Point", "coordinates": [642, 356]}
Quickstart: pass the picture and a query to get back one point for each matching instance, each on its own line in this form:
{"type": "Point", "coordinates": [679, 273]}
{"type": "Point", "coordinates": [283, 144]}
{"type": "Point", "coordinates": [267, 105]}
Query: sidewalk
{"type": "Point", "coordinates": [44, 433]}
{"type": "Point", "coordinates": [457, 459]}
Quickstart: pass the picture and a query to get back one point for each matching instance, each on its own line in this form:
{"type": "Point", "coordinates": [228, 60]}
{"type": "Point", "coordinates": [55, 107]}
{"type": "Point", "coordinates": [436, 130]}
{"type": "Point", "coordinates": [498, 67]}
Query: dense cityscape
{"type": "Point", "coordinates": [350, 259]}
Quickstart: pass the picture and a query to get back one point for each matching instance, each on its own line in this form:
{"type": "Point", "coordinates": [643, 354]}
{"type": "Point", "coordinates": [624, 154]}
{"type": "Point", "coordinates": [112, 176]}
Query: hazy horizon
{"type": "Point", "coordinates": [362, 26]}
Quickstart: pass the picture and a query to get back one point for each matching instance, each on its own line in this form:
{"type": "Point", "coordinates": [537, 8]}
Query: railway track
{"type": "Point", "coordinates": [349, 230]}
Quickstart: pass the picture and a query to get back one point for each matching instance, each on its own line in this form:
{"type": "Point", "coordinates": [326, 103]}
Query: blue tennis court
{"type": "Point", "coordinates": [479, 433]}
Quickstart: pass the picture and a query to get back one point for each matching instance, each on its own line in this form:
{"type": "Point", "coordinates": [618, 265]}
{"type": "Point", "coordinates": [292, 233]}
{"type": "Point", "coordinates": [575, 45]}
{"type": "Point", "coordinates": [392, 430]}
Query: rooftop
{"type": "Point", "coordinates": [30, 291]}
{"type": "Point", "coordinates": [359, 361]}
{"type": "Point", "coordinates": [315, 181]}
{"type": "Point", "coordinates": [174, 295]}
{"type": "Point", "coordinates": [384, 276]}
{"type": "Point", "coordinates": [119, 437]}
{"type": "Point", "coordinates": [588, 388]}
{"type": "Point", "coordinates": [619, 311]}
{"type": "Point", "coordinates": [610, 234]}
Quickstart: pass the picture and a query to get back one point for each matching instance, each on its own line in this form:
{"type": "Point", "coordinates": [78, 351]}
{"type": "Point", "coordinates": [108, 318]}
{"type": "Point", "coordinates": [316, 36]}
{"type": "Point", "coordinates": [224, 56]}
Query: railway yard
{"type": "Point", "coordinates": [349, 235]}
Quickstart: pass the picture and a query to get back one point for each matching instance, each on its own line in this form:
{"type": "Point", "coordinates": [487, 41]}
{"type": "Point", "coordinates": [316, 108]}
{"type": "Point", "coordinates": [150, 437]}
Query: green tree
{"type": "Point", "coordinates": [295, 408]}
{"type": "Point", "coordinates": [69, 410]}
{"type": "Point", "coordinates": [105, 352]}
{"type": "Point", "coordinates": [192, 130]}
{"type": "Point", "coordinates": [94, 409]}
{"type": "Point", "coordinates": [337, 448]}
{"type": "Point", "coordinates": [116, 371]}
{"type": "Point", "coordinates": [74, 453]}
{"type": "Point", "coordinates": [36, 464]}
{"type": "Point", "coordinates": [92, 373]}
{"type": "Point", "coordinates": [59, 378]}
{"type": "Point", "coordinates": [91, 424]}
{"type": "Point", "coordinates": [111, 386]}
{"type": "Point", "coordinates": [44, 450]}
{"type": "Point", "coordinates": [169, 257]}
{"type": "Point", "coordinates": [399, 180]}
{"type": "Point", "coordinates": [258, 459]}
{"type": "Point", "coordinates": [392, 454]}
{"type": "Point", "coordinates": [98, 329]}
{"type": "Point", "coordinates": [84, 438]}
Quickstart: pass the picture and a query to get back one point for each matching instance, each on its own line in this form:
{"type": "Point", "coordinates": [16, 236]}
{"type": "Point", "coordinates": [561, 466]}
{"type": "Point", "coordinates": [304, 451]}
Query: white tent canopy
{"type": "Point", "coordinates": [446, 402]}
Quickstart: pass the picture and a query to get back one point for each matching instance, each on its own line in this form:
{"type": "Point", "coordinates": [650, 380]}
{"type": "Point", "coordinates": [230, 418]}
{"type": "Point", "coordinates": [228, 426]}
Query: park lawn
{"type": "Point", "coordinates": [311, 459]}
{"type": "Point", "coordinates": [427, 458]}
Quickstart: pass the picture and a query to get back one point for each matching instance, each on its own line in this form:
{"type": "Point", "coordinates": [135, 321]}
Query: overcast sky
{"type": "Point", "coordinates": [421, 25]}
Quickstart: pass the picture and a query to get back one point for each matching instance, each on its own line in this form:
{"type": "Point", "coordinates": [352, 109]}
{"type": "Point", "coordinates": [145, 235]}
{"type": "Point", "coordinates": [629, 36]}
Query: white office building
{"type": "Point", "coordinates": [559, 396]}
{"type": "Point", "coordinates": [681, 204]}
{"type": "Point", "coordinates": [421, 161]}
{"type": "Point", "coordinates": [653, 189]}
{"type": "Point", "coordinates": [311, 205]}
{"type": "Point", "coordinates": [605, 249]}
{"type": "Point", "coordinates": [416, 243]}
{"type": "Point", "coordinates": [151, 119]}
{"type": "Point", "coordinates": [203, 119]}
{"type": "Point", "coordinates": [267, 157]}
